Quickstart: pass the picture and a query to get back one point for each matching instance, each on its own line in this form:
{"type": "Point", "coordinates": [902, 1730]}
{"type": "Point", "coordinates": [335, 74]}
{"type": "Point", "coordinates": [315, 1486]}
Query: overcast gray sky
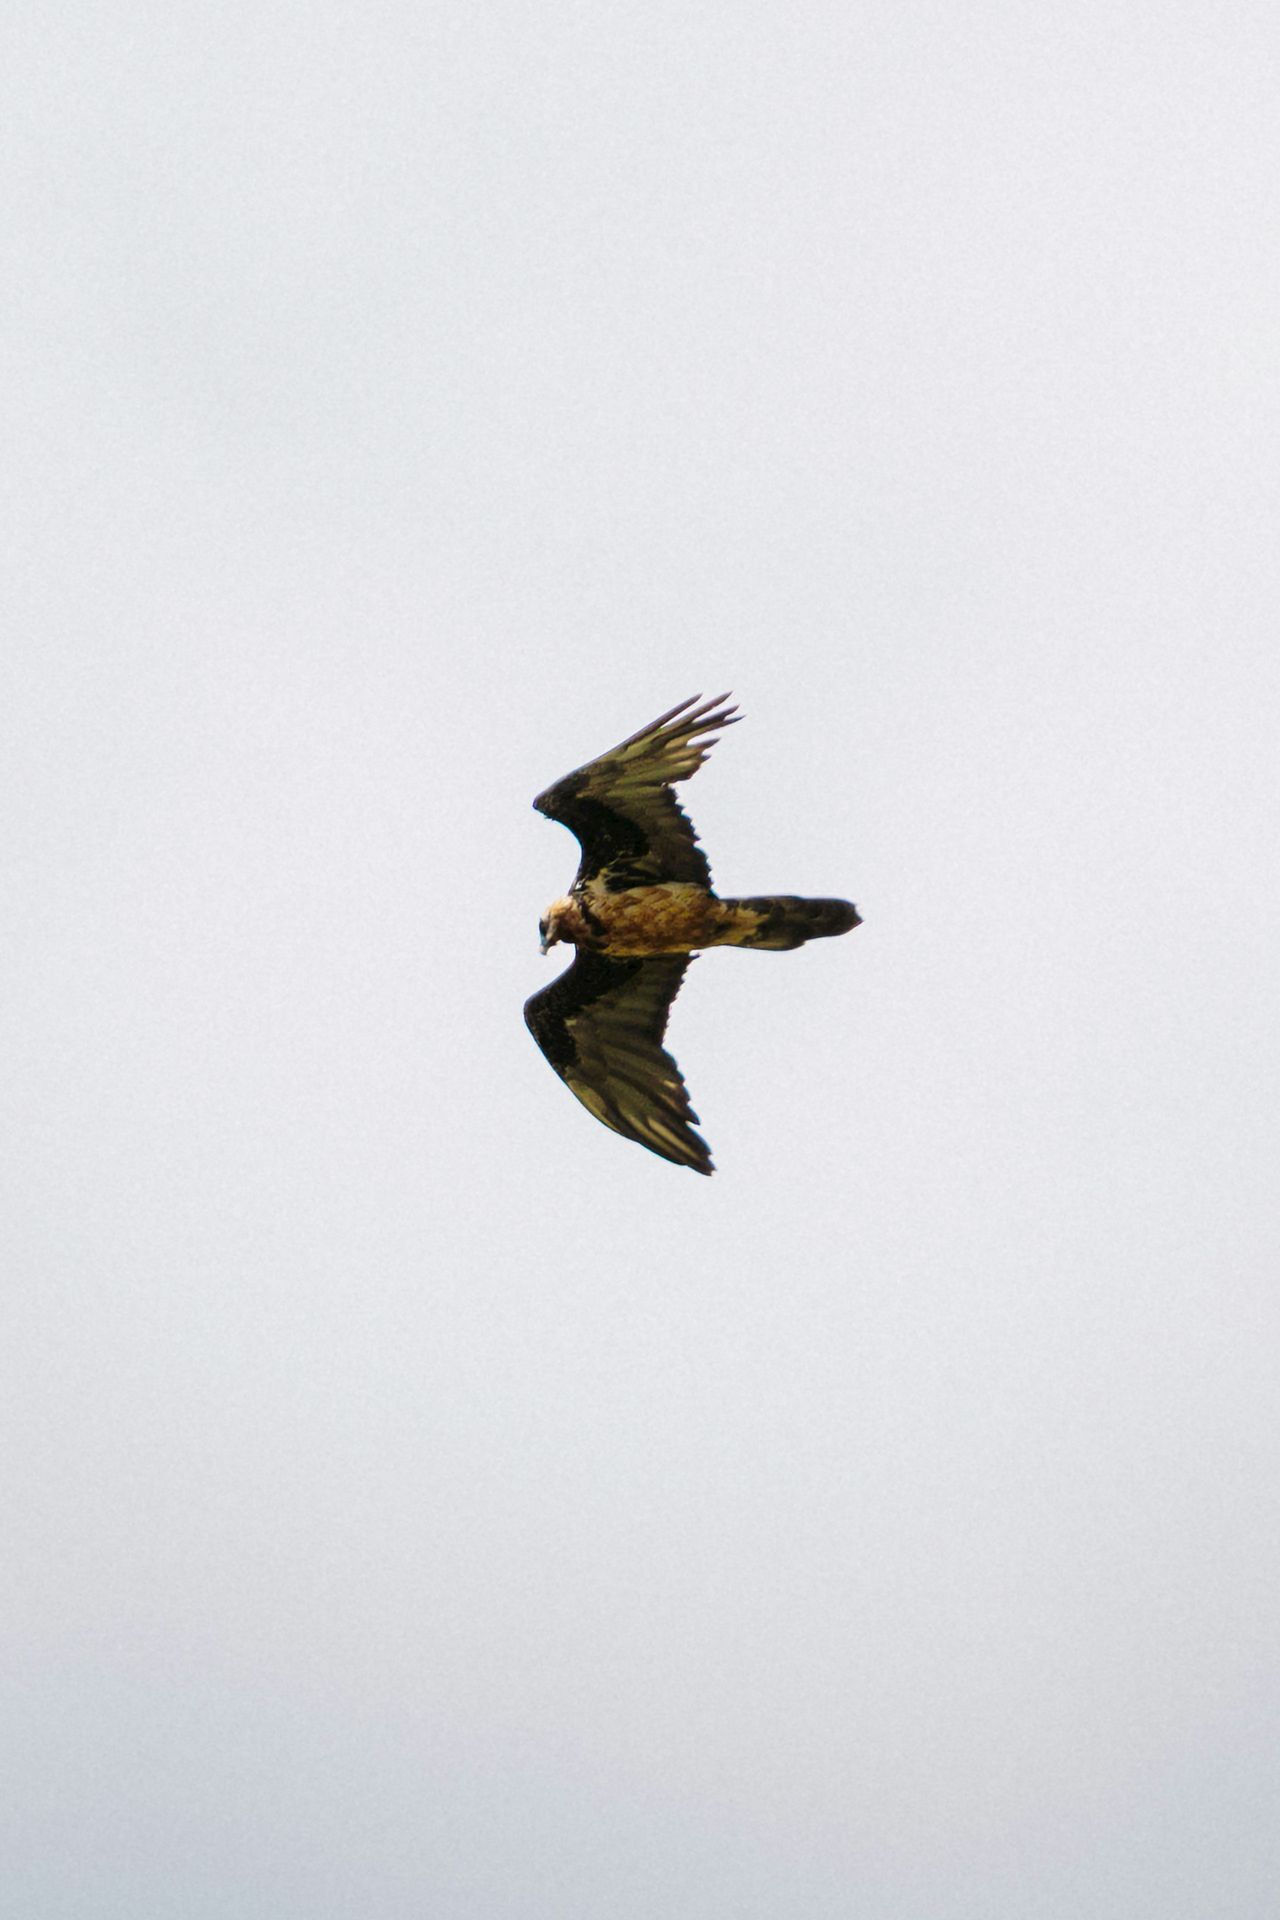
{"type": "Point", "coordinates": [419, 1501]}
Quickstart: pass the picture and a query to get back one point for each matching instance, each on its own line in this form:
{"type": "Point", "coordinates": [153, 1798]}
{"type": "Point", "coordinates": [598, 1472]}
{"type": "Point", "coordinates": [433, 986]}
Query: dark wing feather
{"type": "Point", "coordinates": [621, 807]}
{"type": "Point", "coordinates": [601, 1024]}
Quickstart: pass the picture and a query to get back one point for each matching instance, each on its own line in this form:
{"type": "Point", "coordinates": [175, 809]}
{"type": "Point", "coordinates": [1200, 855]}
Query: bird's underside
{"type": "Point", "coordinates": [638, 922]}
{"type": "Point", "coordinates": [640, 905]}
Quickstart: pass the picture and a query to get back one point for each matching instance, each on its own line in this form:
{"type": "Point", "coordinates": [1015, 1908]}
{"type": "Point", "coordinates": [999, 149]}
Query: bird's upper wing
{"type": "Point", "coordinates": [622, 809]}
{"type": "Point", "coordinates": [600, 1024]}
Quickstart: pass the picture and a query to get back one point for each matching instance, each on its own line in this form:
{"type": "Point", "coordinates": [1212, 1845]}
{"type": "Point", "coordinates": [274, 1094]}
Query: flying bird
{"type": "Point", "coordinates": [639, 906]}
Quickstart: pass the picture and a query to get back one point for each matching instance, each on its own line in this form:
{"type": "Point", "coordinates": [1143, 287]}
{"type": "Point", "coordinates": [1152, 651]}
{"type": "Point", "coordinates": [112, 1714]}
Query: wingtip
{"type": "Point", "coordinates": [692, 710]}
{"type": "Point", "coordinates": [691, 718]}
{"type": "Point", "coordinates": [706, 716]}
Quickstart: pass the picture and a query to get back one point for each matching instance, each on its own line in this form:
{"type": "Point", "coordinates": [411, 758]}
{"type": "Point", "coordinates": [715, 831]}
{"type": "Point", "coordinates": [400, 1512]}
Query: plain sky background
{"type": "Point", "coordinates": [420, 1503]}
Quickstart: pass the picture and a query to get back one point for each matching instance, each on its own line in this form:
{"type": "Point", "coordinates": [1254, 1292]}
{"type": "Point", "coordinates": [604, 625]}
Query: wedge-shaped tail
{"type": "Point", "coordinates": [777, 922]}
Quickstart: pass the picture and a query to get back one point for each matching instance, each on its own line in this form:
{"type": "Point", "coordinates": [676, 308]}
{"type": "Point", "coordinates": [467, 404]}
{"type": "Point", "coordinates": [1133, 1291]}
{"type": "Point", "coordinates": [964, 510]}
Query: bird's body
{"type": "Point", "coordinates": [636, 922]}
{"type": "Point", "coordinates": [640, 906]}
{"type": "Point", "coordinates": [639, 922]}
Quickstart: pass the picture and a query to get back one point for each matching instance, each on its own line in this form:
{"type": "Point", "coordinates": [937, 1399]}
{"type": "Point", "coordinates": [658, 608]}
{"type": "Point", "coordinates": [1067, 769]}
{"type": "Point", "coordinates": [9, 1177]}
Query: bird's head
{"type": "Point", "coordinates": [550, 927]}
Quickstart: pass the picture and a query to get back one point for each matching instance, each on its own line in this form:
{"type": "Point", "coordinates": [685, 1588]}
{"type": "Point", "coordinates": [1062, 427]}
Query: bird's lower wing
{"type": "Point", "coordinates": [601, 1025]}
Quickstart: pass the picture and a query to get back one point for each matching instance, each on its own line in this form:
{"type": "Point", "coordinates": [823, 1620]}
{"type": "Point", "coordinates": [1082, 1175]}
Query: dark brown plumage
{"type": "Point", "coordinates": [641, 902]}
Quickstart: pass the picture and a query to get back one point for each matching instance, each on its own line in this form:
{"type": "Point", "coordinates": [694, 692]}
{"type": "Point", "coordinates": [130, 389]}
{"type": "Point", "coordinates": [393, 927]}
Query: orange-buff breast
{"type": "Point", "coordinates": [649, 920]}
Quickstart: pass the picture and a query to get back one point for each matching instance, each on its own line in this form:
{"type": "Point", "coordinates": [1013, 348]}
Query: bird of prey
{"type": "Point", "coordinates": [640, 904]}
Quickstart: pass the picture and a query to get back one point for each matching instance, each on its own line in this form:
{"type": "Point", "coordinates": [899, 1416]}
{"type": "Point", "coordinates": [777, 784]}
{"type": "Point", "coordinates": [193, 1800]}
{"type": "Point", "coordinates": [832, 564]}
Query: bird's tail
{"type": "Point", "coordinates": [778, 921]}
